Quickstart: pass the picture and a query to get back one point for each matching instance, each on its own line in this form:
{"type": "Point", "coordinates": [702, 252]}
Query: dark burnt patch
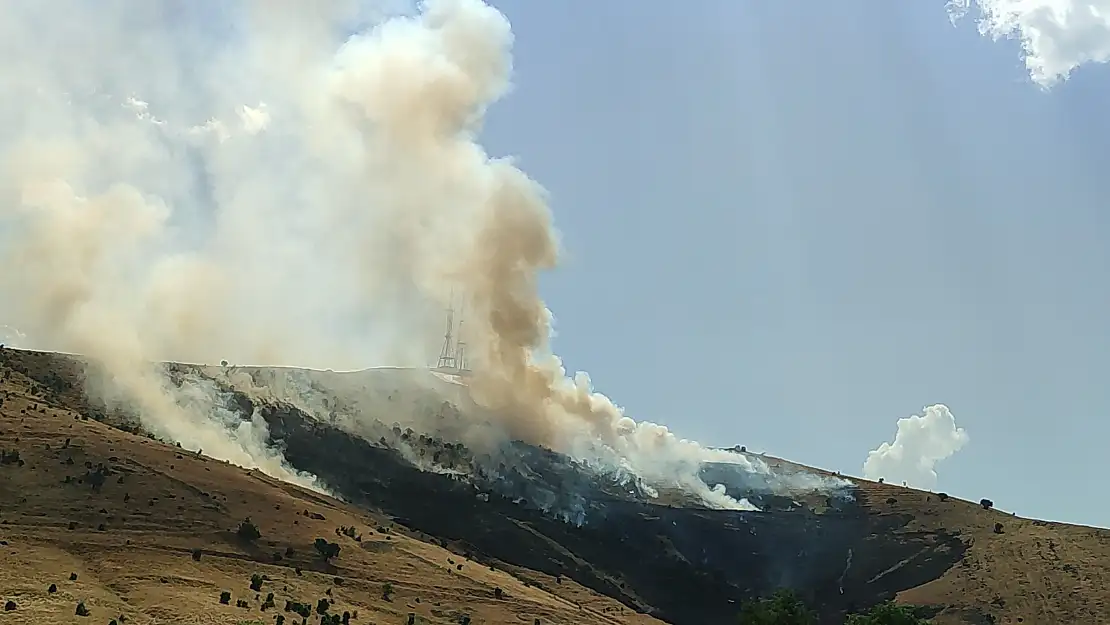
{"type": "Point", "coordinates": [685, 565]}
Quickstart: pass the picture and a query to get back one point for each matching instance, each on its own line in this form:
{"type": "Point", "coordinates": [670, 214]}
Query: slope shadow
{"type": "Point", "coordinates": [685, 565]}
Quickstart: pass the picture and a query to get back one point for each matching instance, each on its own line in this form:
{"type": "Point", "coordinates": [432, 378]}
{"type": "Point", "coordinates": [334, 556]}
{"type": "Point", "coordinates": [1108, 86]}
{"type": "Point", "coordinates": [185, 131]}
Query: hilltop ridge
{"type": "Point", "coordinates": [621, 557]}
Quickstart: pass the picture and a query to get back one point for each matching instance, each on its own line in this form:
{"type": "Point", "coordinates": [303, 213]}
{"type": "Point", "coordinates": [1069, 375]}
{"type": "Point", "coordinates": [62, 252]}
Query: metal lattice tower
{"type": "Point", "coordinates": [452, 357]}
{"type": "Point", "coordinates": [447, 358]}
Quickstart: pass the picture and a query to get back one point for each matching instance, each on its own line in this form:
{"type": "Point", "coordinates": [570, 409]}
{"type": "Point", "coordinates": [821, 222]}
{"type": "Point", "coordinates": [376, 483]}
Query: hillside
{"type": "Point", "coordinates": [562, 543]}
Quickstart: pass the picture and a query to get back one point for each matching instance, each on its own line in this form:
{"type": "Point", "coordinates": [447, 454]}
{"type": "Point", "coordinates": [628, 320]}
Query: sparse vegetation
{"type": "Point", "coordinates": [256, 582]}
{"type": "Point", "coordinates": [327, 550]}
{"type": "Point", "coordinates": [225, 597]}
{"type": "Point", "coordinates": [986, 503]}
{"type": "Point", "coordinates": [248, 531]}
{"type": "Point", "coordinates": [781, 608]}
{"type": "Point", "coordinates": [81, 609]}
{"type": "Point", "coordinates": [887, 614]}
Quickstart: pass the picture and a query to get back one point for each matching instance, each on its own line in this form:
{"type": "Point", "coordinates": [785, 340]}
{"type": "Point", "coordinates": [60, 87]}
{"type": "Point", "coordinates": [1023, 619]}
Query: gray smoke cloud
{"type": "Point", "coordinates": [286, 183]}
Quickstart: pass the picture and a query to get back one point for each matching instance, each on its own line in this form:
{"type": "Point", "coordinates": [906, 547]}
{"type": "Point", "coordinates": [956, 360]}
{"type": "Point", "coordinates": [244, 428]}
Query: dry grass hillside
{"type": "Point", "coordinates": [156, 541]}
{"type": "Point", "coordinates": [134, 528]}
{"type": "Point", "coordinates": [1015, 570]}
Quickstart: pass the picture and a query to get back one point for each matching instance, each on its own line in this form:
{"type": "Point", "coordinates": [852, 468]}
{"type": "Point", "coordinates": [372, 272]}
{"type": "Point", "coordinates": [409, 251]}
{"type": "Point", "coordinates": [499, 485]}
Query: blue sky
{"type": "Point", "coordinates": [788, 225]}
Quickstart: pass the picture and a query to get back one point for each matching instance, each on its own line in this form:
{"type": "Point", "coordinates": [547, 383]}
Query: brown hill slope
{"type": "Point", "coordinates": [131, 541]}
{"type": "Point", "coordinates": [683, 565]}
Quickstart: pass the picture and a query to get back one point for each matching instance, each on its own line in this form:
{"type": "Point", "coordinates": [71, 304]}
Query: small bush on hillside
{"type": "Point", "coordinates": [997, 528]}
{"type": "Point", "coordinates": [942, 496]}
{"type": "Point", "coordinates": [197, 553]}
{"type": "Point", "coordinates": [986, 503]}
{"type": "Point", "coordinates": [781, 608]}
{"type": "Point", "coordinates": [9, 606]}
{"type": "Point", "coordinates": [225, 597]}
{"type": "Point", "coordinates": [887, 614]}
{"type": "Point", "coordinates": [256, 582]}
{"type": "Point", "coordinates": [53, 589]}
{"type": "Point", "coordinates": [322, 606]}
{"type": "Point", "coordinates": [327, 550]}
{"type": "Point", "coordinates": [248, 531]}
{"type": "Point", "coordinates": [81, 609]}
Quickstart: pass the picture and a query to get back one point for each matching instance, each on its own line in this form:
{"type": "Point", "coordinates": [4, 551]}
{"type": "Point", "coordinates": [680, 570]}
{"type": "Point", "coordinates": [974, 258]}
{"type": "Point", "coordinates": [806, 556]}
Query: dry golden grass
{"type": "Point", "coordinates": [1033, 572]}
{"type": "Point", "coordinates": [131, 544]}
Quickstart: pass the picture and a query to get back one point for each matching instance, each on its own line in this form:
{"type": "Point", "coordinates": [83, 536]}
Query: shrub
{"type": "Point", "coordinates": [986, 503]}
{"type": "Point", "coordinates": [53, 589]}
{"type": "Point", "coordinates": [225, 597]}
{"type": "Point", "coordinates": [197, 553]}
{"type": "Point", "coordinates": [81, 609]}
{"type": "Point", "coordinates": [256, 582]}
{"type": "Point", "coordinates": [387, 591]}
{"type": "Point", "coordinates": [73, 577]}
{"type": "Point", "coordinates": [942, 496]}
{"type": "Point", "coordinates": [9, 606]}
{"type": "Point", "coordinates": [327, 550]}
{"type": "Point", "coordinates": [498, 593]}
{"type": "Point", "coordinates": [997, 528]}
{"type": "Point", "coordinates": [887, 614]}
{"type": "Point", "coordinates": [781, 608]}
{"type": "Point", "coordinates": [322, 606]}
{"type": "Point", "coordinates": [248, 531]}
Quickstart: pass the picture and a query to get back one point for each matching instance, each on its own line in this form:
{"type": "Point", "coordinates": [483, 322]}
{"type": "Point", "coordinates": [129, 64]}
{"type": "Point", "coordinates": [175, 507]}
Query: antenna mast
{"type": "Point", "coordinates": [452, 357]}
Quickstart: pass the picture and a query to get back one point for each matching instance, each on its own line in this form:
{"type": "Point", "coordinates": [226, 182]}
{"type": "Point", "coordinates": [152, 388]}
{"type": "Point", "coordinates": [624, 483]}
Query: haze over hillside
{"type": "Point", "coordinates": [318, 208]}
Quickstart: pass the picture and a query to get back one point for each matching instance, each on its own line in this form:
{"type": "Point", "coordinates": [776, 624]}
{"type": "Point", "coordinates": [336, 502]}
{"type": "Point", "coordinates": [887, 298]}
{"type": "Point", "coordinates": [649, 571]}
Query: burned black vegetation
{"type": "Point", "coordinates": [685, 565]}
{"type": "Point", "coordinates": [536, 509]}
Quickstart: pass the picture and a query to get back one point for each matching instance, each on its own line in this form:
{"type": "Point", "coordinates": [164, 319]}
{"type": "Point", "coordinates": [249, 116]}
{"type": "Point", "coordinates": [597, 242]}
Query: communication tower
{"type": "Point", "coordinates": [452, 357]}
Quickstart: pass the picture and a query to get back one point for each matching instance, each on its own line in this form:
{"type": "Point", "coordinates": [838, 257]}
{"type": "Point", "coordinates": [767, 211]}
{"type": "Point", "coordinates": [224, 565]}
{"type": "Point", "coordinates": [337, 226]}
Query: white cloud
{"type": "Point", "coordinates": [1057, 36]}
{"type": "Point", "coordinates": [920, 443]}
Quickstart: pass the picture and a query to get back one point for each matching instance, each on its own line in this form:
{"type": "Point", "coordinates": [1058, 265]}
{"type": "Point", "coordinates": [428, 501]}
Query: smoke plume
{"type": "Point", "coordinates": [919, 444]}
{"type": "Point", "coordinates": [1057, 36]}
{"type": "Point", "coordinates": [301, 186]}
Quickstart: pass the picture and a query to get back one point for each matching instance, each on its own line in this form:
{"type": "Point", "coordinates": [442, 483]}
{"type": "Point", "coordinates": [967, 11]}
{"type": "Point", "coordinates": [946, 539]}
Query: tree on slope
{"type": "Point", "coordinates": [781, 608]}
{"type": "Point", "coordinates": [887, 614]}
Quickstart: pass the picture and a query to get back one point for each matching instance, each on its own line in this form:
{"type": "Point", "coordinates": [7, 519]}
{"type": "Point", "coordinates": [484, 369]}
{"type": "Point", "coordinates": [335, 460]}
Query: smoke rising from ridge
{"type": "Point", "coordinates": [284, 192]}
{"type": "Point", "coordinates": [920, 443]}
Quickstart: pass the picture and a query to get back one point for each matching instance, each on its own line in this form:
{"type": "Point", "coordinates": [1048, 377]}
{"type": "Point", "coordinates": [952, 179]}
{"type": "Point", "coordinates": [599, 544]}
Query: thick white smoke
{"type": "Point", "coordinates": [284, 192]}
{"type": "Point", "coordinates": [1057, 36]}
{"type": "Point", "coordinates": [919, 444]}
